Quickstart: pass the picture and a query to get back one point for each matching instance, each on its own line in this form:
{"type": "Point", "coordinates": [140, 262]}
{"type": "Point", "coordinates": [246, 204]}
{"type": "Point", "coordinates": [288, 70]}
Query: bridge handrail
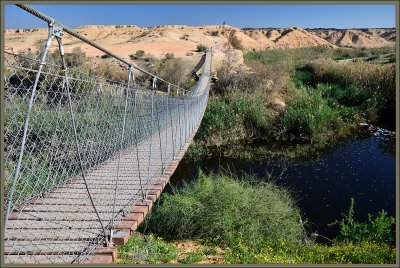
{"type": "Point", "coordinates": [81, 150]}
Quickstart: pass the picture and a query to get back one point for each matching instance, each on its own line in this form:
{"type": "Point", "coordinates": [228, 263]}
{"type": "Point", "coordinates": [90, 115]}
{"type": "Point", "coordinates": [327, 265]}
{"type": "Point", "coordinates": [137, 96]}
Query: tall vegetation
{"type": "Point", "coordinates": [256, 222]}
{"type": "Point", "coordinates": [228, 211]}
{"type": "Point", "coordinates": [378, 229]}
{"type": "Point", "coordinates": [295, 101]}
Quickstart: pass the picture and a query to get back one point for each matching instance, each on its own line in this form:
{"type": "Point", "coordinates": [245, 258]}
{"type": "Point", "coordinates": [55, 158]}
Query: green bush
{"type": "Point", "coordinates": [139, 53]}
{"type": "Point", "coordinates": [201, 48]}
{"type": "Point", "coordinates": [169, 56]}
{"type": "Point", "coordinates": [307, 120]}
{"type": "Point", "coordinates": [371, 87]}
{"type": "Point", "coordinates": [76, 58]}
{"type": "Point", "coordinates": [222, 210]}
{"type": "Point", "coordinates": [233, 117]}
{"type": "Point", "coordinates": [378, 229]}
{"type": "Point", "coordinates": [236, 42]}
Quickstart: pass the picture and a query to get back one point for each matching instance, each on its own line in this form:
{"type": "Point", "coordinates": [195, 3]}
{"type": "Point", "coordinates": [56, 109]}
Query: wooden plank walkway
{"type": "Point", "coordinates": [62, 226]}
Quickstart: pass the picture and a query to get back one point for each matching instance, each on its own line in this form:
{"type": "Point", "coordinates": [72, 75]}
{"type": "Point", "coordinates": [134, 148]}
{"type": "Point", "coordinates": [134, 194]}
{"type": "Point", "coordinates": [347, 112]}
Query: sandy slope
{"type": "Point", "coordinates": [182, 40]}
{"type": "Point", "coordinates": [358, 37]}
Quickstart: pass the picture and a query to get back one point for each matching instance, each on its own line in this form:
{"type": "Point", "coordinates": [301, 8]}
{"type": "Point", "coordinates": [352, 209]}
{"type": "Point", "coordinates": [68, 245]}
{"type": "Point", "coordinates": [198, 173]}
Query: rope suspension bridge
{"type": "Point", "coordinates": [85, 156]}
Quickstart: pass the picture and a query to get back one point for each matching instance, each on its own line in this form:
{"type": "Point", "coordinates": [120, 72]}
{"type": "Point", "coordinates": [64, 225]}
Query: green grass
{"type": "Point", "coordinates": [192, 257]}
{"type": "Point", "coordinates": [309, 119]}
{"type": "Point", "coordinates": [141, 249]}
{"type": "Point", "coordinates": [358, 242]}
{"type": "Point", "coordinates": [283, 253]}
{"type": "Point", "coordinates": [369, 88]}
{"type": "Point", "coordinates": [233, 117]}
{"type": "Point", "coordinates": [289, 58]}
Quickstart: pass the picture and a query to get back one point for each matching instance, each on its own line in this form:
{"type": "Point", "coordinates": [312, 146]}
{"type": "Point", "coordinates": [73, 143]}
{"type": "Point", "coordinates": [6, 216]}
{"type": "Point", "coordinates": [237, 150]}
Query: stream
{"type": "Point", "coordinates": [362, 167]}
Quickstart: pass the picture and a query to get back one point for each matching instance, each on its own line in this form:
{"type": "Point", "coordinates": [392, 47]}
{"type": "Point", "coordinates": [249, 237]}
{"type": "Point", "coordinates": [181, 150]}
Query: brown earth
{"type": "Point", "coordinates": [191, 246]}
{"type": "Point", "coordinates": [182, 40]}
{"type": "Point", "coordinates": [358, 37]}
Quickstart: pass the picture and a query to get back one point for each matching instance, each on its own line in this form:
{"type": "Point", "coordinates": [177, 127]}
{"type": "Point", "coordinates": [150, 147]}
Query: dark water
{"type": "Point", "coordinates": [363, 167]}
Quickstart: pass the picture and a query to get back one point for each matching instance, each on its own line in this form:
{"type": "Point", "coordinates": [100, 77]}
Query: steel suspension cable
{"type": "Point", "coordinates": [50, 20]}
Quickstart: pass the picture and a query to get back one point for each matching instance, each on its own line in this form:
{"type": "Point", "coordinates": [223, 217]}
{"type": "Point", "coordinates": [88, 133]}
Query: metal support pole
{"type": "Point", "coordinates": [180, 127]}
{"type": "Point", "coordinates": [126, 92]}
{"type": "Point", "coordinates": [59, 40]}
{"type": "Point", "coordinates": [137, 143]}
{"type": "Point", "coordinates": [172, 129]}
{"type": "Point", "coordinates": [31, 100]}
{"type": "Point", "coordinates": [151, 142]}
{"type": "Point", "coordinates": [159, 136]}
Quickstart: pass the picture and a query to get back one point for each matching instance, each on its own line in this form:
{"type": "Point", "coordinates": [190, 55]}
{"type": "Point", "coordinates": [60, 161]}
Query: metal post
{"type": "Point", "coordinates": [59, 40]}
{"type": "Point", "coordinates": [31, 100]}
{"type": "Point", "coordinates": [151, 142]}
{"type": "Point", "coordinates": [137, 149]}
{"type": "Point", "coordinates": [172, 130]}
{"type": "Point", "coordinates": [159, 136]}
{"type": "Point", "coordinates": [180, 127]}
{"type": "Point", "coordinates": [120, 152]}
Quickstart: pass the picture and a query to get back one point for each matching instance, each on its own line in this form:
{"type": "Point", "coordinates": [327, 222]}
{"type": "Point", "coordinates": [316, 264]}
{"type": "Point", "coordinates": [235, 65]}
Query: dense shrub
{"type": "Point", "coordinates": [305, 120]}
{"type": "Point", "coordinates": [201, 48]}
{"type": "Point", "coordinates": [372, 87]}
{"type": "Point", "coordinates": [236, 42]}
{"type": "Point", "coordinates": [173, 70]}
{"type": "Point", "coordinates": [233, 117]}
{"type": "Point", "coordinates": [138, 55]}
{"type": "Point", "coordinates": [233, 76]}
{"type": "Point", "coordinates": [222, 210]}
{"type": "Point", "coordinates": [76, 58]}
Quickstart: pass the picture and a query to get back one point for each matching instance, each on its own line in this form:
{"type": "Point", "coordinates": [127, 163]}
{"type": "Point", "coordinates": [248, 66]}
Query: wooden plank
{"type": "Point", "coordinates": [69, 204]}
{"type": "Point", "coordinates": [34, 224]}
{"type": "Point", "coordinates": [39, 259]}
{"type": "Point", "coordinates": [43, 234]}
{"type": "Point", "coordinates": [99, 196]}
{"type": "Point", "coordinates": [59, 216]}
{"type": "Point", "coordinates": [47, 247]}
{"type": "Point", "coordinates": [100, 259]}
{"type": "Point", "coordinates": [79, 202]}
{"type": "Point", "coordinates": [66, 208]}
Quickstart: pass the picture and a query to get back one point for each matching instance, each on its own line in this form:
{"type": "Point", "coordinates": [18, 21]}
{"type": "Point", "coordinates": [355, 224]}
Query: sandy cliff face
{"type": "Point", "coordinates": [358, 37]}
{"type": "Point", "coordinates": [182, 40]}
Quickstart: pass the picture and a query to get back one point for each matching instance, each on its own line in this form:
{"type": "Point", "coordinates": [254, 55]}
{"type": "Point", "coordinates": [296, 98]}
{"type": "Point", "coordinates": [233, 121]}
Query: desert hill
{"type": "Point", "coordinates": [357, 37]}
{"type": "Point", "coordinates": [182, 40]}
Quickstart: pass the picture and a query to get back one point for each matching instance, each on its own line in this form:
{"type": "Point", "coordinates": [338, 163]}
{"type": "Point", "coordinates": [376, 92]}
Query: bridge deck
{"type": "Point", "coordinates": [62, 224]}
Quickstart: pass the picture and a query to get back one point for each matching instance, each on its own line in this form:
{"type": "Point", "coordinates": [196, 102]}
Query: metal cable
{"type": "Point", "coordinates": [67, 187]}
{"type": "Point", "coordinates": [93, 44]}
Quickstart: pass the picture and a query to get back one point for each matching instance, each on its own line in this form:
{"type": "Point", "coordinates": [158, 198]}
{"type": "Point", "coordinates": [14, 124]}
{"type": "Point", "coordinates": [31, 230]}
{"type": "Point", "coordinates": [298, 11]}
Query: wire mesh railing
{"type": "Point", "coordinates": [81, 150]}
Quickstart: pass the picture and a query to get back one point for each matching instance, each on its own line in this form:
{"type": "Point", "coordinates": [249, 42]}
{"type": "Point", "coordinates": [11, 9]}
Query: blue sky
{"type": "Point", "coordinates": [307, 16]}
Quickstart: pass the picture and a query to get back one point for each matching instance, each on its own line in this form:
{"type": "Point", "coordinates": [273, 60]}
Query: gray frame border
{"type": "Point", "coordinates": [343, 2]}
